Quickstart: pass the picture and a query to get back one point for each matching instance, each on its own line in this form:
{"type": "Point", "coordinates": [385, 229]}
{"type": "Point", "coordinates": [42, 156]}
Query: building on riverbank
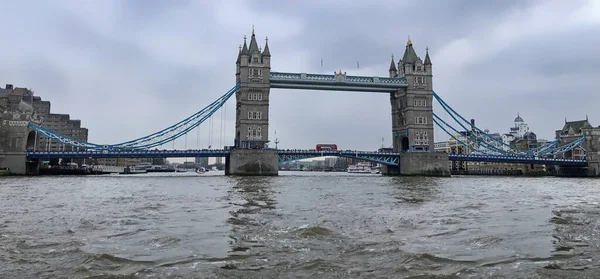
{"type": "Point", "coordinates": [518, 137]}
{"type": "Point", "coordinates": [11, 97]}
{"type": "Point", "coordinates": [588, 150]}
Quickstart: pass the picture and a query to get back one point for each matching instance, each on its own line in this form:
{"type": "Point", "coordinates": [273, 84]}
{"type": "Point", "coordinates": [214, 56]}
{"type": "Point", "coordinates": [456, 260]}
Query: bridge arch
{"type": "Point", "coordinates": [404, 144]}
{"type": "Point", "coordinates": [382, 159]}
{"type": "Point", "coordinates": [31, 141]}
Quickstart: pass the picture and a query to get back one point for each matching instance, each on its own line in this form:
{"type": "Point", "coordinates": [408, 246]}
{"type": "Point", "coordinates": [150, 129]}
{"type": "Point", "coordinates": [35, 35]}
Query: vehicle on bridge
{"type": "Point", "coordinates": [327, 147]}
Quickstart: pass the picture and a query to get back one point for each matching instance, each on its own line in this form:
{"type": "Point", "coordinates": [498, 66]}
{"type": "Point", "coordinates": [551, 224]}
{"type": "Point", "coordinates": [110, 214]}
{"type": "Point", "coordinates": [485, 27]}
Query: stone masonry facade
{"type": "Point", "coordinates": [412, 108]}
{"type": "Point", "coordinates": [253, 68]}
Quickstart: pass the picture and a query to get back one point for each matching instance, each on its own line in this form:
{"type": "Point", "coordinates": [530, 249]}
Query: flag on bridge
{"type": "Point", "coordinates": [357, 65]}
{"type": "Point", "coordinates": [321, 62]}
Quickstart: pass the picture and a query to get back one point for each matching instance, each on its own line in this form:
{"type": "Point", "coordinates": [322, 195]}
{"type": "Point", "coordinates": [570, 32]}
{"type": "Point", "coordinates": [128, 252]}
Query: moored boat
{"type": "Point", "coordinates": [360, 167]}
{"type": "Point", "coordinates": [133, 170]}
{"type": "Point", "coordinates": [201, 170]}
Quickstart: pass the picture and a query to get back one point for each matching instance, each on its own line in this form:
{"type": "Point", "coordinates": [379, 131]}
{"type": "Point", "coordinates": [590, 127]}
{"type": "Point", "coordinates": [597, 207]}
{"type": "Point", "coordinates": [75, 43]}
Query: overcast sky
{"type": "Point", "coordinates": [130, 68]}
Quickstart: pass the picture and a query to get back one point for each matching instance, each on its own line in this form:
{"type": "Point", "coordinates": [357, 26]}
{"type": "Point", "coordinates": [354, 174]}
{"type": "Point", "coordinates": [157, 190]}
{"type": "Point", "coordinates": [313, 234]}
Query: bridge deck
{"type": "Point", "coordinates": [337, 82]}
{"type": "Point", "coordinates": [292, 155]}
{"type": "Point", "coordinates": [516, 159]}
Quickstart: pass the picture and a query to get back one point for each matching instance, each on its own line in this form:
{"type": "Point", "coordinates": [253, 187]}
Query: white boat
{"type": "Point", "coordinates": [185, 170]}
{"type": "Point", "coordinates": [360, 167]}
{"type": "Point", "coordinates": [201, 170]}
{"type": "Point", "coordinates": [4, 171]}
{"type": "Point", "coordinates": [133, 170]}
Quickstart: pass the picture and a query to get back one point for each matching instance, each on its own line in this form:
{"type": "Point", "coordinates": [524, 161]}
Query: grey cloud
{"type": "Point", "coordinates": [129, 68]}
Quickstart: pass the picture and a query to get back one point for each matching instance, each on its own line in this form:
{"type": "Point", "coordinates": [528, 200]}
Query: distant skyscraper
{"type": "Point", "coordinates": [202, 161]}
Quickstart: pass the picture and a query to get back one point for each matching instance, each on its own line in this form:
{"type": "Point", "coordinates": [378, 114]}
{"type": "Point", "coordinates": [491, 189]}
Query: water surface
{"type": "Point", "coordinates": [311, 225]}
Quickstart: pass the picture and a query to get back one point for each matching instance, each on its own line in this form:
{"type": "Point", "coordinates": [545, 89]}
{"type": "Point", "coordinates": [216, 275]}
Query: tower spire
{"type": "Point", "coordinates": [245, 47]}
{"type": "Point", "coordinates": [393, 65]}
{"type": "Point", "coordinates": [253, 47]}
{"type": "Point", "coordinates": [239, 58]}
{"type": "Point", "coordinates": [427, 59]}
{"type": "Point", "coordinates": [266, 51]}
{"type": "Point", "coordinates": [410, 56]}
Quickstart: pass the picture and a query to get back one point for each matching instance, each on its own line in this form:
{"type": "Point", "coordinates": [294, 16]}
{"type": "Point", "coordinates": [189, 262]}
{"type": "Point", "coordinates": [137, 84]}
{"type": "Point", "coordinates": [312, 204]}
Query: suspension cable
{"type": "Point", "coordinates": [198, 137]}
{"type": "Point", "coordinates": [221, 131]}
{"type": "Point", "coordinates": [210, 132]}
{"type": "Point", "coordinates": [185, 146]}
{"type": "Point", "coordinates": [224, 124]}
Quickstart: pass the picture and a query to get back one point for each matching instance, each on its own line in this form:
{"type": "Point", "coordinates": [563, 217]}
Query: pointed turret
{"type": "Point", "coordinates": [393, 71]}
{"type": "Point", "coordinates": [239, 58]}
{"type": "Point", "coordinates": [410, 56]}
{"type": "Point", "coordinates": [244, 54]}
{"type": "Point", "coordinates": [253, 45]}
{"type": "Point", "coordinates": [427, 59]}
{"type": "Point", "coordinates": [266, 51]}
{"type": "Point", "coordinates": [245, 47]}
{"type": "Point", "coordinates": [393, 65]}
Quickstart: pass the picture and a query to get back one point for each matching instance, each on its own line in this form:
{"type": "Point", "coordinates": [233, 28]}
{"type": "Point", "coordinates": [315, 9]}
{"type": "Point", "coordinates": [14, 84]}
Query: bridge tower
{"type": "Point", "coordinates": [412, 117]}
{"type": "Point", "coordinates": [17, 138]}
{"type": "Point", "coordinates": [252, 99]}
{"type": "Point", "coordinates": [249, 156]}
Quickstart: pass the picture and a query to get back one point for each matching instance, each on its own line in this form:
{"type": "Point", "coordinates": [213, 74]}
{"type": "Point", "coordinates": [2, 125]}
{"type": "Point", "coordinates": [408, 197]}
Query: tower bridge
{"type": "Point", "coordinates": [409, 85]}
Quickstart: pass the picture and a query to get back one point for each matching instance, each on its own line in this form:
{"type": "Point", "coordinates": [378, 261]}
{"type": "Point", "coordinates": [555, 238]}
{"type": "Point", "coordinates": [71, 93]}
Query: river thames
{"type": "Point", "coordinates": [298, 225]}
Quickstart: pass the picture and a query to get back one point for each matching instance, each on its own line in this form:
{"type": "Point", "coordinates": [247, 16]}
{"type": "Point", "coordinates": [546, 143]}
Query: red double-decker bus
{"type": "Point", "coordinates": [327, 147]}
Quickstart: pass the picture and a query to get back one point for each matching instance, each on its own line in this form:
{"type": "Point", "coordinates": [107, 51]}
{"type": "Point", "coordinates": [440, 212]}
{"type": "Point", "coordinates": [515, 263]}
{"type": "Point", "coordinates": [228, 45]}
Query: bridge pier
{"type": "Point", "coordinates": [420, 164]}
{"type": "Point", "coordinates": [32, 167]}
{"type": "Point", "coordinates": [14, 161]}
{"type": "Point", "coordinates": [252, 162]}
{"type": "Point", "coordinates": [16, 137]}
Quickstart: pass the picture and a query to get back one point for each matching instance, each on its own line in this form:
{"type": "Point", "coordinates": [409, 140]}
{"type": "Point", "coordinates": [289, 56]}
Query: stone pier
{"type": "Point", "coordinates": [420, 164]}
{"type": "Point", "coordinates": [16, 137]}
{"type": "Point", "coordinates": [252, 162]}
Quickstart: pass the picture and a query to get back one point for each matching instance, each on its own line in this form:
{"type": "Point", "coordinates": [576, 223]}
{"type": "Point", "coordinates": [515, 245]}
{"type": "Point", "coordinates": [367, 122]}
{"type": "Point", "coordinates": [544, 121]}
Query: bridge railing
{"type": "Point", "coordinates": [314, 151]}
{"type": "Point", "coordinates": [111, 169]}
{"type": "Point", "coordinates": [516, 157]}
{"type": "Point", "coordinates": [282, 76]}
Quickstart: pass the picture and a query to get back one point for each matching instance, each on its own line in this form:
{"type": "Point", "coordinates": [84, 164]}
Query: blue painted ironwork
{"type": "Point", "coordinates": [563, 148]}
{"type": "Point", "coordinates": [336, 82]}
{"type": "Point", "coordinates": [484, 143]}
{"type": "Point", "coordinates": [391, 159]}
{"type": "Point", "coordinates": [58, 137]}
{"type": "Point", "coordinates": [284, 155]}
{"type": "Point", "coordinates": [544, 147]}
{"type": "Point", "coordinates": [435, 120]}
{"type": "Point", "coordinates": [490, 149]}
{"type": "Point", "coordinates": [156, 139]}
{"type": "Point", "coordinates": [294, 155]}
{"type": "Point", "coordinates": [516, 159]}
{"type": "Point", "coordinates": [91, 154]}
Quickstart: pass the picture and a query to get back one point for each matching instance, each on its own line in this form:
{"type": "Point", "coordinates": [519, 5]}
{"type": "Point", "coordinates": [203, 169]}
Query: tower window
{"type": "Point", "coordinates": [420, 102]}
{"type": "Point", "coordinates": [420, 80]}
{"type": "Point", "coordinates": [255, 59]}
{"type": "Point", "coordinates": [255, 96]}
{"type": "Point", "coordinates": [256, 115]}
{"type": "Point", "coordinates": [420, 120]}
